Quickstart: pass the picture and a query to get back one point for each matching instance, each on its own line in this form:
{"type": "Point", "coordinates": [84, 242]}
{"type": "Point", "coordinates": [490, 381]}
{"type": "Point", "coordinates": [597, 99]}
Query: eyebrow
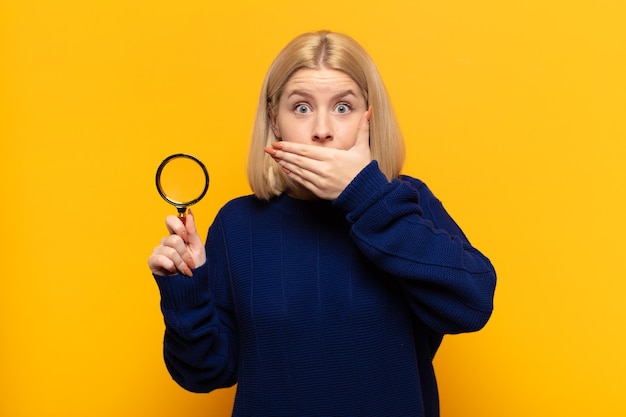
{"type": "Point", "coordinates": [337, 96]}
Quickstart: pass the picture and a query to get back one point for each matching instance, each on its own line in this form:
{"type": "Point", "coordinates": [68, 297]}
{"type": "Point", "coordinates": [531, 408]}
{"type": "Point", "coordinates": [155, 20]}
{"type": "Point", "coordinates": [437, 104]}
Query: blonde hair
{"type": "Point", "coordinates": [314, 51]}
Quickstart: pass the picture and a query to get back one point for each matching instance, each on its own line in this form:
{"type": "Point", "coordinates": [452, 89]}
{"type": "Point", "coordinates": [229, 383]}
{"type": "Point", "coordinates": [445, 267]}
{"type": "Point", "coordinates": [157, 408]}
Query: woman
{"type": "Point", "coordinates": [327, 292]}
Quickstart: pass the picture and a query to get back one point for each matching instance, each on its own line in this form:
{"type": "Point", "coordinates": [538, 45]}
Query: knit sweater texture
{"type": "Point", "coordinates": [319, 308]}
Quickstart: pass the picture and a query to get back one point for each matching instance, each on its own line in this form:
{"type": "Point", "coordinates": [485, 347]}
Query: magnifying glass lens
{"type": "Point", "coordinates": [182, 180]}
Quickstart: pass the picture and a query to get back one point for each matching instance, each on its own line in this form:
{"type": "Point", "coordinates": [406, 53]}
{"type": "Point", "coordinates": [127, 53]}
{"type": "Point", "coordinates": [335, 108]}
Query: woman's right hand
{"type": "Point", "coordinates": [181, 251]}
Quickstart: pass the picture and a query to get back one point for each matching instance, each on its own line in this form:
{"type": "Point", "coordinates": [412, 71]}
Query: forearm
{"type": "Point", "coordinates": [198, 344]}
{"type": "Point", "coordinates": [448, 283]}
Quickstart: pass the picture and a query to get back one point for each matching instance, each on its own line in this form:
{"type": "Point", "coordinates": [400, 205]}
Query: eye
{"type": "Point", "coordinates": [302, 108]}
{"type": "Point", "coordinates": [343, 108]}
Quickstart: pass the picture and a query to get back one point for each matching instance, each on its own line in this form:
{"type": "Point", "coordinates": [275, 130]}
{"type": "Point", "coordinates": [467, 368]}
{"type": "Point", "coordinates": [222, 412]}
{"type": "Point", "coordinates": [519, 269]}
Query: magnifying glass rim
{"type": "Point", "coordinates": [181, 204]}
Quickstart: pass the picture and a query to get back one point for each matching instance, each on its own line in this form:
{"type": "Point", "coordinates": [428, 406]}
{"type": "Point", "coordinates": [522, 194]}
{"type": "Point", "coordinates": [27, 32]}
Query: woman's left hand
{"type": "Point", "coordinates": [324, 171]}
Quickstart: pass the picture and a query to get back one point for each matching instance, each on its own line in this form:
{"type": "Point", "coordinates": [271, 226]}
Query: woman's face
{"type": "Point", "coordinates": [320, 107]}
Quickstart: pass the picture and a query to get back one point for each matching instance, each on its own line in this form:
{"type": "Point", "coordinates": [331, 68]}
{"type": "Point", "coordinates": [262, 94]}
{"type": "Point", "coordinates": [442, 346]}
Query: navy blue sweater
{"type": "Point", "coordinates": [318, 308]}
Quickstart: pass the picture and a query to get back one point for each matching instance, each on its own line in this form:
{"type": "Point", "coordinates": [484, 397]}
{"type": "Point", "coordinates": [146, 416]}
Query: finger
{"type": "Point", "coordinates": [161, 265]}
{"type": "Point", "coordinates": [284, 149]}
{"type": "Point", "coordinates": [302, 158]}
{"type": "Point", "coordinates": [176, 227]}
{"type": "Point", "coordinates": [178, 251]}
{"type": "Point", "coordinates": [166, 261]}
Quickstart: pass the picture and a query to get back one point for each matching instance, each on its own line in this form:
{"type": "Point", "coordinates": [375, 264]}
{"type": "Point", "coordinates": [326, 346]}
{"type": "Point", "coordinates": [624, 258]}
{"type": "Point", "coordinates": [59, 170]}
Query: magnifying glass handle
{"type": "Point", "coordinates": [182, 214]}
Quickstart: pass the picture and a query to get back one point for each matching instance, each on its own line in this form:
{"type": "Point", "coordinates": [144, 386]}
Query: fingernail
{"type": "Point", "coordinates": [191, 263]}
{"type": "Point", "coordinates": [188, 272]}
{"type": "Point", "coordinates": [286, 171]}
{"type": "Point", "coordinates": [277, 145]}
{"type": "Point", "coordinates": [270, 151]}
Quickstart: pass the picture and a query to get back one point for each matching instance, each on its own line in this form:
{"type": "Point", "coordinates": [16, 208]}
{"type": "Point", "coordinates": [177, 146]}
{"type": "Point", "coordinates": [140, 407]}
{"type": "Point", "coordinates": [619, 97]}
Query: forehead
{"type": "Point", "coordinates": [321, 80]}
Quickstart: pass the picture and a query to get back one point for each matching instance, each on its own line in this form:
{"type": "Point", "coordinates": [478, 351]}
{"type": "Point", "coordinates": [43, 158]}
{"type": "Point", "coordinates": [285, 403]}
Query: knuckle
{"type": "Point", "coordinates": [171, 241]}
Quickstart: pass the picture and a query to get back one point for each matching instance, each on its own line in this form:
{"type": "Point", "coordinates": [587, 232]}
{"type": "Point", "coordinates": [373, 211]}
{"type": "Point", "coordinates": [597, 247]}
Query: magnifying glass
{"type": "Point", "coordinates": [182, 180]}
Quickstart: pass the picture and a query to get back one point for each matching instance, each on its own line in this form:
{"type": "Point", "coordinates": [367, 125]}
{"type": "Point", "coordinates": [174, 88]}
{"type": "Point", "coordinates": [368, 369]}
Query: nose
{"type": "Point", "coordinates": [322, 129]}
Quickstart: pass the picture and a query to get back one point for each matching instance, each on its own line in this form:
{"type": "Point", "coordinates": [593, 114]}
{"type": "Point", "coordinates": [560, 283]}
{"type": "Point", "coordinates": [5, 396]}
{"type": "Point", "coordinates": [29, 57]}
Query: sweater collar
{"type": "Point", "coordinates": [305, 208]}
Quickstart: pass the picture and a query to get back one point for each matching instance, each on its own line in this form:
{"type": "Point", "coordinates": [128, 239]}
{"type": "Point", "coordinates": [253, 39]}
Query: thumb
{"type": "Point", "coordinates": [192, 233]}
{"type": "Point", "coordinates": [194, 243]}
{"type": "Point", "coordinates": [363, 133]}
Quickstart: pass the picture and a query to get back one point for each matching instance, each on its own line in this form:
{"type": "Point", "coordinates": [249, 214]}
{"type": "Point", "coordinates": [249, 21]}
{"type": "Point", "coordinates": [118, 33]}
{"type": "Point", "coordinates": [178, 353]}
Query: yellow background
{"type": "Point", "coordinates": [513, 114]}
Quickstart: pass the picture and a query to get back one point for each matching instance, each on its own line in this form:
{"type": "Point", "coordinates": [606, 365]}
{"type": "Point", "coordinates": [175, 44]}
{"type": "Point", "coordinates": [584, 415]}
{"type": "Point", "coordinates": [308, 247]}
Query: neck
{"type": "Point", "coordinates": [301, 193]}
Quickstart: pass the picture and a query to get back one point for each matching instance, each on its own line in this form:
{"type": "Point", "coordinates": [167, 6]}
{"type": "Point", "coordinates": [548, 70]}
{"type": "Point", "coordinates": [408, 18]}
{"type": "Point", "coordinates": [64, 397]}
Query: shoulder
{"type": "Point", "coordinates": [432, 208]}
{"type": "Point", "coordinates": [419, 186]}
{"type": "Point", "coordinates": [411, 181]}
{"type": "Point", "coordinates": [236, 215]}
{"type": "Point", "coordinates": [239, 202]}
{"type": "Point", "coordinates": [242, 205]}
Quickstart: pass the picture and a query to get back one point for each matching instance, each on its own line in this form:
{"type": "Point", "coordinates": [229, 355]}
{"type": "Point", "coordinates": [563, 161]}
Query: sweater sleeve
{"type": "Point", "coordinates": [199, 345]}
{"type": "Point", "coordinates": [403, 229]}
